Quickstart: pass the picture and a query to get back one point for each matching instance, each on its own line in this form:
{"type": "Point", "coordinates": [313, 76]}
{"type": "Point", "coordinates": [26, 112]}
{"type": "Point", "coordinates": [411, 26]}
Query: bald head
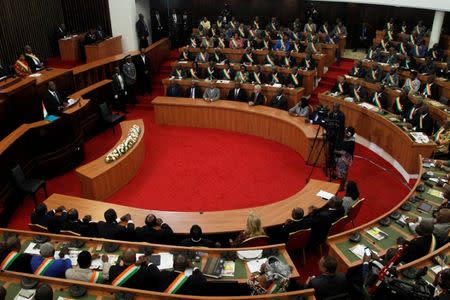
{"type": "Point", "coordinates": [47, 250]}
{"type": "Point", "coordinates": [297, 213]}
{"type": "Point", "coordinates": [129, 257]}
{"type": "Point", "coordinates": [443, 216]}
{"type": "Point", "coordinates": [44, 292]}
{"type": "Point", "coordinates": [150, 220]}
{"type": "Point", "coordinates": [180, 262]}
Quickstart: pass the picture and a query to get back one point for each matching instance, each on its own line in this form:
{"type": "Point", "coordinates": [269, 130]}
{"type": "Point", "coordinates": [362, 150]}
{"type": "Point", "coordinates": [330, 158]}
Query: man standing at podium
{"type": "Point", "coordinates": [142, 32]}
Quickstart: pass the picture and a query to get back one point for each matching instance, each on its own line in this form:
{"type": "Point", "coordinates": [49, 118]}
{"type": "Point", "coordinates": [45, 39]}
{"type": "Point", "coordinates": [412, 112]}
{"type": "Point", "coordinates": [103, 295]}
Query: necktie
{"type": "Point", "coordinates": [193, 93]}
{"type": "Point", "coordinates": [56, 96]}
{"type": "Point", "coordinates": [236, 94]}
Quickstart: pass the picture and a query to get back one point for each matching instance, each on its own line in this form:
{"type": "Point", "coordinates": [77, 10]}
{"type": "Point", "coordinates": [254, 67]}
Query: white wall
{"type": "Point", "coordinates": [123, 22]}
{"type": "Point", "coordinates": [143, 7]}
{"type": "Point", "coordinates": [443, 5]}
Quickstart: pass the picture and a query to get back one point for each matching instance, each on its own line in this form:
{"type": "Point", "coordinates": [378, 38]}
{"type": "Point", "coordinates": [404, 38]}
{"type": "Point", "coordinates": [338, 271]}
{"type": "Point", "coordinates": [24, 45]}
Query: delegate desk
{"type": "Point", "coordinates": [268, 91]}
{"type": "Point", "coordinates": [70, 48]}
{"type": "Point", "coordinates": [339, 244]}
{"type": "Point", "coordinates": [109, 47]}
{"type": "Point", "coordinates": [11, 280]}
{"type": "Point", "coordinates": [381, 132]}
{"type": "Point", "coordinates": [235, 56]}
{"type": "Point", "coordinates": [21, 98]}
{"type": "Point", "coordinates": [100, 180]}
{"type": "Point", "coordinates": [308, 76]}
{"type": "Point", "coordinates": [93, 72]}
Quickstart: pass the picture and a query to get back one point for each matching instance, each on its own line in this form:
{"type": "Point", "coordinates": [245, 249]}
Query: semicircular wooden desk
{"type": "Point", "coordinates": [270, 123]}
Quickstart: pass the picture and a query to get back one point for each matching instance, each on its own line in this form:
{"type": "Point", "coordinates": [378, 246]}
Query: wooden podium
{"type": "Point", "coordinates": [108, 47]}
{"type": "Point", "coordinates": [69, 47]}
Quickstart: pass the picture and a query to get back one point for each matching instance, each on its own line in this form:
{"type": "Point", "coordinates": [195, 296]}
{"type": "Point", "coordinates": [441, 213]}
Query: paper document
{"type": "Point", "coordinates": [228, 268]}
{"type": "Point", "coordinates": [377, 233]}
{"type": "Point", "coordinates": [255, 265]}
{"type": "Point", "coordinates": [325, 195]}
{"type": "Point", "coordinates": [358, 250]}
{"type": "Point", "coordinates": [166, 261]}
{"type": "Point", "coordinates": [438, 268]}
{"type": "Point", "coordinates": [97, 264]}
{"type": "Point", "coordinates": [32, 248]}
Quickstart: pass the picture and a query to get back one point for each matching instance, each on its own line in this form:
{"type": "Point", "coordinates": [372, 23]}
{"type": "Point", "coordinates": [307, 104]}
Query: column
{"type": "Point", "coordinates": [437, 27]}
{"type": "Point", "coordinates": [123, 22]}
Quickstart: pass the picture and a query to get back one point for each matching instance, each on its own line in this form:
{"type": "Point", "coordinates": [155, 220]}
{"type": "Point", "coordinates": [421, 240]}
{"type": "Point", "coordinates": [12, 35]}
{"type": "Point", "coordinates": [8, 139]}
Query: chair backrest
{"type": "Point", "coordinates": [261, 240]}
{"type": "Point", "coordinates": [339, 225]}
{"type": "Point", "coordinates": [104, 110]}
{"type": "Point", "coordinates": [298, 239]}
{"type": "Point", "coordinates": [18, 174]}
{"type": "Point", "coordinates": [354, 210]}
{"type": "Point", "coordinates": [69, 233]}
{"type": "Point", "coordinates": [37, 227]}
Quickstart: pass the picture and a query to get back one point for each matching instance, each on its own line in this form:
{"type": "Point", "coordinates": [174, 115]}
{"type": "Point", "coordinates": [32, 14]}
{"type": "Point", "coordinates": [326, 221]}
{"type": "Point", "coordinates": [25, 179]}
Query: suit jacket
{"type": "Point", "coordinates": [428, 68]}
{"type": "Point", "coordinates": [408, 65]}
{"type": "Point", "coordinates": [194, 285]}
{"type": "Point", "coordinates": [362, 93]}
{"type": "Point", "coordinates": [173, 91]}
{"type": "Point", "coordinates": [3, 70]}
{"type": "Point", "coordinates": [304, 64]}
{"type": "Point", "coordinates": [291, 80]}
{"type": "Point", "coordinates": [288, 62]}
{"type": "Point", "coordinates": [114, 231]}
{"type": "Point", "coordinates": [232, 74]}
{"type": "Point", "coordinates": [185, 56]}
{"type": "Point", "coordinates": [117, 87]}
{"type": "Point", "coordinates": [279, 102]}
{"type": "Point", "coordinates": [21, 264]}
{"type": "Point", "coordinates": [189, 242]}
{"type": "Point", "coordinates": [254, 78]}
{"type": "Point", "coordinates": [382, 98]}
{"type": "Point", "coordinates": [34, 67]}
{"type": "Point", "coordinates": [129, 72]}
{"type": "Point", "coordinates": [344, 91]}
{"type": "Point", "coordinates": [142, 67]}
{"type": "Point", "coordinates": [241, 95]}
{"type": "Point", "coordinates": [142, 29]}
{"type": "Point", "coordinates": [273, 78]}
{"type": "Point", "coordinates": [213, 94]}
{"type": "Point", "coordinates": [246, 59]}
{"type": "Point", "coordinates": [426, 126]}
{"type": "Point", "coordinates": [327, 285]}
{"type": "Point", "coordinates": [81, 227]}
{"type": "Point", "coordinates": [158, 26]}
{"type": "Point", "coordinates": [433, 89]}
{"type": "Point", "coordinates": [149, 234]}
{"type": "Point", "coordinates": [417, 248]}
{"type": "Point", "coordinates": [360, 73]}
{"type": "Point", "coordinates": [217, 57]}
{"type": "Point", "coordinates": [146, 278]}
{"type": "Point", "coordinates": [257, 99]}
{"type": "Point", "coordinates": [52, 104]}
{"type": "Point", "coordinates": [197, 92]}
{"type": "Point", "coordinates": [374, 75]}
{"type": "Point", "coordinates": [48, 220]}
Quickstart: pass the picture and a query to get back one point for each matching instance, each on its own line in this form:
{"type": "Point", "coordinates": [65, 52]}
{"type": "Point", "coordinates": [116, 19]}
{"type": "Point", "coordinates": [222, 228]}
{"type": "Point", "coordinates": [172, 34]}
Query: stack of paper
{"type": "Point", "coordinates": [377, 233]}
{"type": "Point", "coordinates": [228, 268]}
{"type": "Point", "coordinates": [32, 248]}
{"type": "Point", "coordinates": [166, 260]}
{"type": "Point", "coordinates": [438, 268]}
{"type": "Point", "coordinates": [325, 195]}
{"type": "Point", "coordinates": [420, 137]}
{"type": "Point", "coordinates": [436, 193]}
{"type": "Point", "coordinates": [369, 106]}
{"type": "Point", "coordinates": [97, 264]}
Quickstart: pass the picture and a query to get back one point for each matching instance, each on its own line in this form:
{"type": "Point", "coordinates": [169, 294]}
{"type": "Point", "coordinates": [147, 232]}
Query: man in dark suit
{"type": "Point", "coordinates": [238, 93]}
{"type": "Point", "coordinates": [298, 222]}
{"type": "Point", "coordinates": [143, 69]}
{"type": "Point", "coordinates": [329, 283]}
{"type": "Point", "coordinates": [428, 68]}
{"type": "Point", "coordinates": [340, 87]}
{"type": "Point", "coordinates": [196, 238]}
{"type": "Point", "coordinates": [33, 61]}
{"type": "Point", "coordinates": [142, 32]}
{"type": "Point", "coordinates": [339, 117]}
{"type": "Point", "coordinates": [3, 71]}
{"type": "Point", "coordinates": [130, 76]}
{"type": "Point", "coordinates": [173, 90]}
{"type": "Point", "coordinates": [257, 77]}
{"type": "Point", "coordinates": [53, 101]}
{"type": "Point", "coordinates": [308, 63]}
{"type": "Point", "coordinates": [91, 37]}
{"type": "Point", "coordinates": [379, 98]}
{"type": "Point", "coordinates": [321, 219]}
{"type": "Point", "coordinates": [11, 259]}
{"type": "Point", "coordinates": [358, 93]}
{"type": "Point", "coordinates": [421, 245]}
{"type": "Point", "coordinates": [227, 73]}
{"type": "Point", "coordinates": [84, 227]}
{"type": "Point", "coordinates": [174, 28]}
{"type": "Point", "coordinates": [256, 98]}
{"type": "Point", "coordinates": [48, 219]}
{"type": "Point", "coordinates": [357, 70]}
{"type": "Point", "coordinates": [177, 282]}
{"type": "Point", "coordinates": [158, 26]}
{"type": "Point", "coordinates": [111, 229]}
{"type": "Point", "coordinates": [374, 74]}
{"type": "Point", "coordinates": [143, 276]}
{"type": "Point", "coordinates": [154, 231]}
{"type": "Point", "coordinates": [186, 24]}
{"type": "Point", "coordinates": [422, 121]}
{"type": "Point", "coordinates": [194, 91]}
{"type": "Point", "coordinates": [119, 90]}
{"type": "Point", "coordinates": [430, 89]}
{"type": "Point", "coordinates": [364, 37]}
{"type": "Point", "coordinates": [61, 31]}
{"type": "Point", "coordinates": [279, 100]}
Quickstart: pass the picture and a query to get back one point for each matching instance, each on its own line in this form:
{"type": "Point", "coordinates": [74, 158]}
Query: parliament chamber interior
{"type": "Point", "coordinates": [202, 149]}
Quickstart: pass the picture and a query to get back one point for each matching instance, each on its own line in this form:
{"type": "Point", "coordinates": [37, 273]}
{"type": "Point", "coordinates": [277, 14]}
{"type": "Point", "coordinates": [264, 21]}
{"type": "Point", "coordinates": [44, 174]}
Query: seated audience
{"type": "Point", "coordinates": [430, 89]}
{"type": "Point", "coordinates": [442, 284]}
{"type": "Point", "coordinates": [270, 60]}
{"type": "Point", "coordinates": [248, 57]}
{"type": "Point", "coordinates": [111, 229]}
{"type": "Point", "coordinates": [419, 246]}
{"type": "Point", "coordinates": [11, 258]}
{"type": "Point", "coordinates": [422, 121]}
{"type": "Point", "coordinates": [287, 61]}
{"type": "Point", "coordinates": [45, 264]}
{"type": "Point", "coordinates": [379, 98]}
{"type": "Point", "coordinates": [329, 283]}
{"type": "Point", "coordinates": [178, 72]}
{"type": "Point", "coordinates": [295, 79]}
{"type": "Point", "coordinates": [185, 55]}
{"type": "Point", "coordinates": [242, 75]}
{"type": "Point", "coordinates": [196, 238]}
{"type": "Point", "coordinates": [21, 67]}
{"type": "Point", "coordinates": [154, 231]}
{"type": "Point", "coordinates": [135, 274]}
{"type": "Point", "coordinates": [179, 282]}
{"type": "Point", "coordinates": [340, 87]}
{"type": "Point", "coordinates": [357, 70]}
{"type": "Point", "coordinates": [227, 73]}
{"type": "Point", "coordinates": [428, 68]}
{"type": "Point", "coordinates": [211, 93]}
{"type": "Point", "coordinates": [435, 53]}
{"type": "Point", "coordinates": [173, 90]}
{"type": "Point", "coordinates": [298, 222]}
{"type": "Point", "coordinates": [83, 227]}
{"type": "Point", "coordinates": [257, 77]}
{"type": "Point", "coordinates": [238, 93]}
{"type": "Point", "coordinates": [202, 56]}
{"type": "Point", "coordinates": [253, 229]}
{"type": "Point", "coordinates": [33, 61]}
{"type": "Point", "coordinates": [218, 57]}
{"type": "Point", "coordinates": [256, 98]}
{"type": "Point", "coordinates": [193, 92]}
{"type": "Point", "coordinates": [275, 77]}
{"type": "Point", "coordinates": [408, 63]}
{"type": "Point", "coordinates": [82, 271]}
{"type": "Point", "coordinates": [391, 78]}
{"type": "Point", "coordinates": [374, 74]}
{"type": "Point", "coordinates": [441, 224]}
{"type": "Point", "coordinates": [48, 219]}
{"type": "Point", "coordinates": [301, 109]}
{"type": "Point", "coordinates": [373, 53]}
{"type": "Point", "coordinates": [194, 72]}
{"type": "Point", "coordinates": [358, 93]}
{"type": "Point", "coordinates": [279, 100]}
{"type": "Point", "coordinates": [236, 42]}
{"type": "Point", "coordinates": [351, 196]}
{"type": "Point", "coordinates": [210, 73]}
